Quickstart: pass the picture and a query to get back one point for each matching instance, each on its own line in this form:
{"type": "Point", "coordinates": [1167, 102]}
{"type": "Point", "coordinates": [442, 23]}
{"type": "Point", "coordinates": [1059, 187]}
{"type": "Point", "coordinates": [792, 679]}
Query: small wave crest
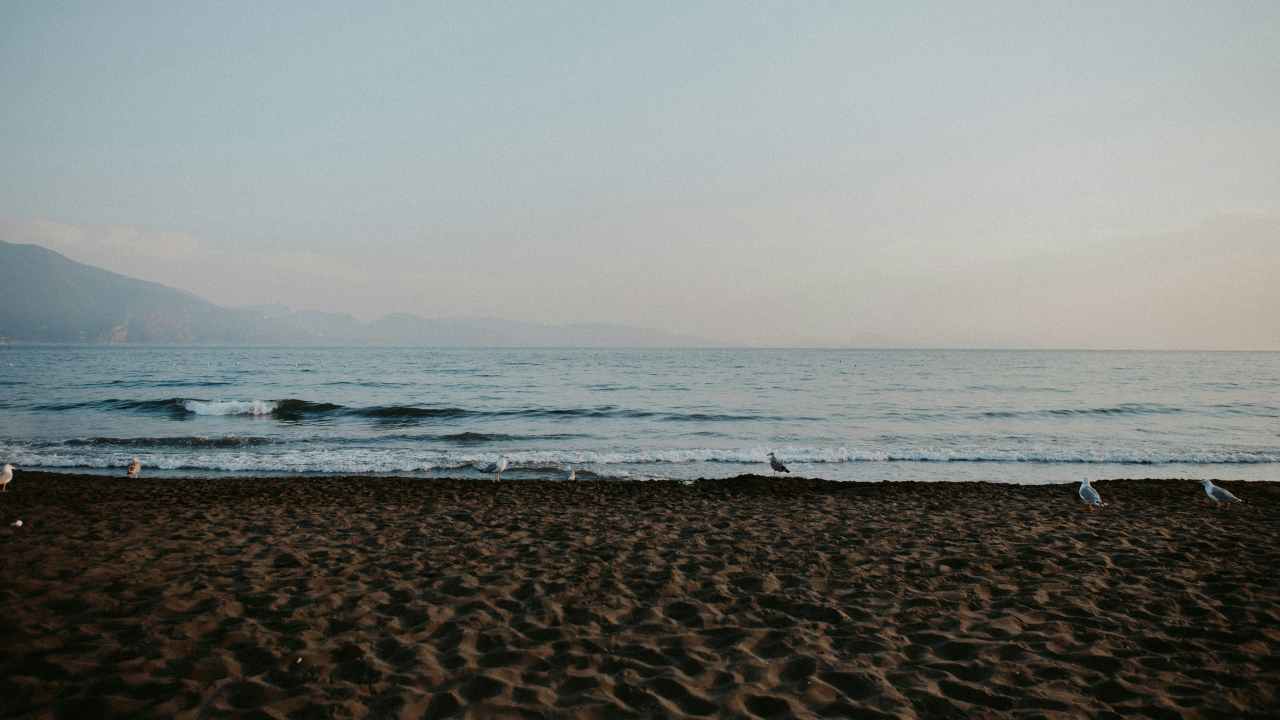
{"type": "Point", "coordinates": [230, 407]}
{"type": "Point", "coordinates": [366, 384]}
{"type": "Point", "coordinates": [229, 441]}
{"type": "Point", "coordinates": [288, 408]}
{"type": "Point", "coordinates": [479, 438]}
{"type": "Point", "coordinates": [408, 412]}
{"type": "Point", "coordinates": [244, 441]}
{"type": "Point", "coordinates": [1122, 409]}
{"type": "Point", "coordinates": [282, 409]}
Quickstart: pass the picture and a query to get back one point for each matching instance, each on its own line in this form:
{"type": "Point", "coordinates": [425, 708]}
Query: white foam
{"type": "Point", "coordinates": [230, 407]}
{"type": "Point", "coordinates": [351, 460]}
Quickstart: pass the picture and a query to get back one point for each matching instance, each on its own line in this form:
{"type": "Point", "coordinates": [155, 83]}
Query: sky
{"type": "Point", "coordinates": [804, 173]}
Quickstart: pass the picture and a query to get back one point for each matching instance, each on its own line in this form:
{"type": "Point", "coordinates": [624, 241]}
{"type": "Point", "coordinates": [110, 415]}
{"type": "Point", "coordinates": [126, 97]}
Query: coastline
{"type": "Point", "coordinates": [749, 596]}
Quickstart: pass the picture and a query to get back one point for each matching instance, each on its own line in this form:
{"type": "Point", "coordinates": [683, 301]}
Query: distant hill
{"type": "Point", "coordinates": [47, 297]}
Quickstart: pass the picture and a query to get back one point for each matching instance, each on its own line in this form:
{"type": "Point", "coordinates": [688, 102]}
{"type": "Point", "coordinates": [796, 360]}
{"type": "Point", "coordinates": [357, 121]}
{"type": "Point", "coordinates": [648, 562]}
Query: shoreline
{"type": "Point", "coordinates": [585, 475]}
{"type": "Point", "coordinates": [751, 596]}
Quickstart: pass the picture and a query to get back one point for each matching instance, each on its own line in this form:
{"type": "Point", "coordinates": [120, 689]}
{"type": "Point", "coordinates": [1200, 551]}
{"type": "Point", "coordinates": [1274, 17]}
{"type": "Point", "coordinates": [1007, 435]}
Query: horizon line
{"type": "Point", "coordinates": [726, 346]}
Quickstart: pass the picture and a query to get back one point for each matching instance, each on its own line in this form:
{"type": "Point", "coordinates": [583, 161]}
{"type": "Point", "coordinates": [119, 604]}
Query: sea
{"type": "Point", "coordinates": [857, 415]}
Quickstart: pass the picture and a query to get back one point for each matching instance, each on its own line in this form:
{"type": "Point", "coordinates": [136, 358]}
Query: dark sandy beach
{"type": "Point", "coordinates": [751, 597]}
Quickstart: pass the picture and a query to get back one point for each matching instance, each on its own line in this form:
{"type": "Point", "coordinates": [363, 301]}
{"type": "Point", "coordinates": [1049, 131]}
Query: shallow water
{"type": "Point", "coordinates": [1008, 416]}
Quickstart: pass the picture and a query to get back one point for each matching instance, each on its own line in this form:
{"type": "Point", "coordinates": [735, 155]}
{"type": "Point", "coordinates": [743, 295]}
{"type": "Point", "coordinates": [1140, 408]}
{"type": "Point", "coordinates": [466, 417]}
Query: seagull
{"type": "Point", "coordinates": [497, 468]}
{"type": "Point", "coordinates": [1090, 496]}
{"type": "Point", "coordinates": [135, 468]}
{"type": "Point", "coordinates": [573, 474]}
{"type": "Point", "coordinates": [5, 477]}
{"type": "Point", "coordinates": [777, 464]}
{"type": "Point", "coordinates": [1218, 495]}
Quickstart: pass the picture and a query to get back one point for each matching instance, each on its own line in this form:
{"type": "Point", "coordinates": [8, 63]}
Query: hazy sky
{"type": "Point", "coordinates": [816, 173]}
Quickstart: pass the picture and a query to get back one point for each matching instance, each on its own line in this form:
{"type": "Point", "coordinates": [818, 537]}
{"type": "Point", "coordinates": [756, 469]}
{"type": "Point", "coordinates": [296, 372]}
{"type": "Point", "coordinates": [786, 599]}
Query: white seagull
{"type": "Point", "coordinates": [135, 468]}
{"type": "Point", "coordinates": [573, 474]}
{"type": "Point", "coordinates": [5, 477]}
{"type": "Point", "coordinates": [1218, 495]}
{"type": "Point", "coordinates": [777, 464]}
{"type": "Point", "coordinates": [1090, 496]}
{"type": "Point", "coordinates": [497, 468]}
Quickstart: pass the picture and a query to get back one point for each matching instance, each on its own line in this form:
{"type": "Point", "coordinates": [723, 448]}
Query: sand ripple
{"type": "Point", "coordinates": [750, 598]}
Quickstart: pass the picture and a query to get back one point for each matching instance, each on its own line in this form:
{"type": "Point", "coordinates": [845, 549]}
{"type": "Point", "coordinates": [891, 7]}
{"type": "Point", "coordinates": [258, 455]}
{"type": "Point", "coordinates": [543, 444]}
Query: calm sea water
{"type": "Point", "coordinates": [1016, 416]}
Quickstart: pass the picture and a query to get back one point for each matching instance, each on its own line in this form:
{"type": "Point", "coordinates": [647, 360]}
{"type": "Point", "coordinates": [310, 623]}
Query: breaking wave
{"type": "Point", "coordinates": [295, 409]}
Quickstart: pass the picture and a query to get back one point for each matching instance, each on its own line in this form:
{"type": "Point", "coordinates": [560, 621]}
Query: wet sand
{"type": "Point", "coordinates": [751, 597]}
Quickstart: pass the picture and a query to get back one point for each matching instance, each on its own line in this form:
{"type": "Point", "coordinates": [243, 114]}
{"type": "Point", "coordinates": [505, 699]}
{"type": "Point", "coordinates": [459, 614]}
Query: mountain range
{"type": "Point", "coordinates": [48, 298]}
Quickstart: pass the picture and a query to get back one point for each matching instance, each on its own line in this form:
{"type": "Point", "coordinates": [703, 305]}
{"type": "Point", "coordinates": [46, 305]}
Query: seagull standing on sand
{"type": "Point", "coordinates": [135, 468]}
{"type": "Point", "coordinates": [1090, 496]}
{"type": "Point", "coordinates": [5, 476]}
{"type": "Point", "coordinates": [497, 468]}
{"type": "Point", "coordinates": [573, 474]}
{"type": "Point", "coordinates": [1218, 495]}
{"type": "Point", "coordinates": [777, 464]}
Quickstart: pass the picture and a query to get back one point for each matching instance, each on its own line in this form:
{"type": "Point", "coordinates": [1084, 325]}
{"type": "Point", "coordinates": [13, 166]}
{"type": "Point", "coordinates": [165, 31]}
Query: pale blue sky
{"type": "Point", "coordinates": [801, 172]}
